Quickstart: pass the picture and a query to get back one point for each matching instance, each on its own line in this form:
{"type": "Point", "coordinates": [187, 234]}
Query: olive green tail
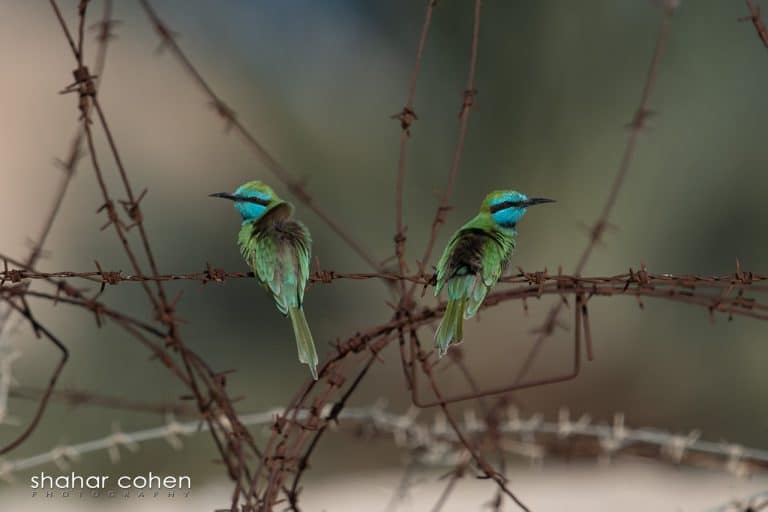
{"type": "Point", "coordinates": [304, 342]}
{"type": "Point", "coordinates": [450, 329]}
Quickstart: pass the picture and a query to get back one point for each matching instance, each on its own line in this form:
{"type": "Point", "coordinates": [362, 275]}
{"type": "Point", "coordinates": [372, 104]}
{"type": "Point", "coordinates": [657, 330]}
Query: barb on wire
{"type": "Point", "coordinates": [755, 503]}
{"type": "Point", "coordinates": [406, 117]}
{"type": "Point", "coordinates": [636, 126]}
{"type": "Point", "coordinates": [684, 288]}
{"type": "Point", "coordinates": [264, 476]}
{"type": "Point", "coordinates": [468, 99]}
{"type": "Point", "coordinates": [74, 397]}
{"type": "Point", "coordinates": [432, 444]}
{"type": "Point", "coordinates": [207, 387]}
{"type": "Point", "coordinates": [327, 420]}
{"type": "Point", "coordinates": [483, 465]}
{"type": "Point", "coordinates": [641, 278]}
{"type": "Point", "coordinates": [295, 186]}
{"type": "Point", "coordinates": [41, 332]}
{"type": "Point", "coordinates": [6, 383]}
{"type": "Point", "coordinates": [756, 20]}
{"type": "Point", "coordinates": [68, 167]}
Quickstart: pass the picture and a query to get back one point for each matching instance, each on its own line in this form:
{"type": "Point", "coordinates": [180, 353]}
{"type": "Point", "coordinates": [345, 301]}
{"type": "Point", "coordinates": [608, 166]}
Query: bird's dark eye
{"type": "Point", "coordinates": [504, 205]}
{"type": "Point", "coordinates": [257, 200]}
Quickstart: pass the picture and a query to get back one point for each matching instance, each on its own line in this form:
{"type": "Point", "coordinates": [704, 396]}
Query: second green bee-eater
{"type": "Point", "coordinates": [277, 248]}
{"type": "Point", "coordinates": [475, 258]}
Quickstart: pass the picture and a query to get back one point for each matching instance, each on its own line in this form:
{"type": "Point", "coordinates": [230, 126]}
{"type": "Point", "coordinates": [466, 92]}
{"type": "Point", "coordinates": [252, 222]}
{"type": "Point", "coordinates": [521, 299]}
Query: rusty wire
{"type": "Point", "coordinates": [295, 186]}
{"type": "Point", "coordinates": [261, 474]}
{"type": "Point", "coordinates": [67, 166]}
{"type": "Point", "coordinates": [207, 387]}
{"type": "Point", "coordinates": [756, 20]}
{"type": "Point", "coordinates": [597, 230]}
{"type": "Point", "coordinates": [531, 439]}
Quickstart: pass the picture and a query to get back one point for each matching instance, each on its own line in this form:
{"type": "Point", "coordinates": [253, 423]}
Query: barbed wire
{"type": "Point", "coordinates": [596, 231]}
{"type": "Point", "coordinates": [407, 116]}
{"type": "Point", "coordinates": [206, 387]}
{"type": "Point", "coordinates": [687, 288]}
{"type": "Point", "coordinates": [284, 443]}
{"type": "Point", "coordinates": [436, 444]}
{"type": "Point", "coordinates": [642, 276]}
{"type": "Point", "coordinates": [756, 20]}
{"type": "Point", "coordinates": [68, 167]}
{"type": "Point", "coordinates": [296, 187]}
{"type": "Point", "coordinates": [551, 321]}
{"type": "Point", "coordinates": [6, 383]}
{"type": "Point", "coordinates": [754, 503]}
{"type": "Point", "coordinates": [74, 398]}
{"type": "Point", "coordinates": [260, 472]}
{"type": "Point", "coordinates": [467, 102]}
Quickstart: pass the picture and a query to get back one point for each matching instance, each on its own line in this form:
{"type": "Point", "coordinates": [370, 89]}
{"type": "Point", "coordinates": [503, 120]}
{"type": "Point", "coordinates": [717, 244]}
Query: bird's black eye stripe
{"type": "Point", "coordinates": [262, 202]}
{"type": "Point", "coordinates": [506, 204]}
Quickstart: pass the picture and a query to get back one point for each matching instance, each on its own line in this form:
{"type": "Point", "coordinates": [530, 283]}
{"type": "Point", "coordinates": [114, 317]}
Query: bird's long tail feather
{"type": "Point", "coordinates": [450, 329]}
{"type": "Point", "coordinates": [304, 342]}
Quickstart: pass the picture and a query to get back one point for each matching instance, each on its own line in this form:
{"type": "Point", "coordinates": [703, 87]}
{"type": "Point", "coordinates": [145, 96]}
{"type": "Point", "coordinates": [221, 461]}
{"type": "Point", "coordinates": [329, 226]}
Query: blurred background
{"type": "Point", "coordinates": [316, 82]}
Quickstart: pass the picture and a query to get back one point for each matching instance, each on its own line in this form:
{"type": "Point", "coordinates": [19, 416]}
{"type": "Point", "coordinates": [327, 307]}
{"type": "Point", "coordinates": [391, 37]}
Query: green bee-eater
{"type": "Point", "coordinates": [475, 258]}
{"type": "Point", "coordinates": [277, 248]}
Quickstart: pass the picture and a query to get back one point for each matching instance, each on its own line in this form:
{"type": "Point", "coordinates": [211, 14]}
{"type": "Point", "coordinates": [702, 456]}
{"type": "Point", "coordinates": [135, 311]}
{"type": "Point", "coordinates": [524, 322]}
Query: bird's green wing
{"type": "Point", "coordinates": [280, 260]}
{"type": "Point", "coordinates": [482, 253]}
{"type": "Point", "coordinates": [497, 250]}
{"type": "Point", "coordinates": [443, 265]}
{"type": "Point", "coordinates": [302, 244]}
{"type": "Point", "coordinates": [494, 260]}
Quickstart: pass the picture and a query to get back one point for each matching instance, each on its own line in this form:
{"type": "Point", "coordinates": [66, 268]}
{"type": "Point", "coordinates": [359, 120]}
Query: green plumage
{"type": "Point", "coordinates": [304, 342]}
{"type": "Point", "coordinates": [475, 258]}
{"type": "Point", "coordinates": [277, 248]}
{"type": "Point", "coordinates": [471, 264]}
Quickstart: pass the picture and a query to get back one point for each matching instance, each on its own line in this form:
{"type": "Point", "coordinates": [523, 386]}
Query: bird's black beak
{"type": "Point", "coordinates": [538, 200]}
{"type": "Point", "coordinates": [225, 195]}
